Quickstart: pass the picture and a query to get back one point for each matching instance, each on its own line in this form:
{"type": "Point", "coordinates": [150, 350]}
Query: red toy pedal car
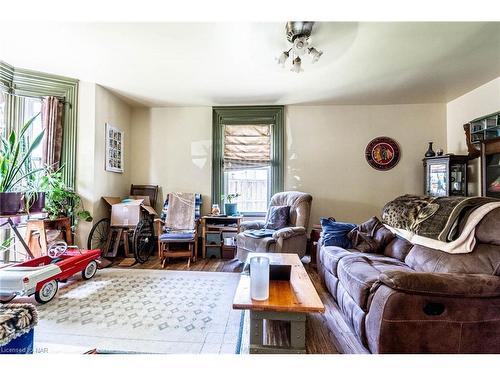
{"type": "Point", "coordinates": [40, 276]}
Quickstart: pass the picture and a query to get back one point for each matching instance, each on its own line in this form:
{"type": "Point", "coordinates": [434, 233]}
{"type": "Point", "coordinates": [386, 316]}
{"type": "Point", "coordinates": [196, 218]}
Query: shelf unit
{"type": "Point", "coordinates": [483, 140]}
{"type": "Point", "coordinates": [485, 128]}
{"type": "Point", "coordinates": [214, 230]}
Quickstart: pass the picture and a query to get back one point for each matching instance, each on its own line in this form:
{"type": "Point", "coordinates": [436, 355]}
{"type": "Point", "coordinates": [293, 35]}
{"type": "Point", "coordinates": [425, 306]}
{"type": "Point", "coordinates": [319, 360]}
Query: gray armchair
{"type": "Point", "coordinates": [291, 239]}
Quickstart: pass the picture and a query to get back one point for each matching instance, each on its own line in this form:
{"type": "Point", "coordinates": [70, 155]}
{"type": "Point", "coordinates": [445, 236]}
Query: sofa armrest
{"type": "Point", "coordinates": [443, 284]}
{"type": "Point", "coordinates": [289, 232]}
{"type": "Point", "coordinates": [253, 224]}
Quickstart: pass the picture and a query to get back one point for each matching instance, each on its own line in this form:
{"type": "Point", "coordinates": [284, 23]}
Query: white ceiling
{"type": "Point", "coordinates": [170, 64]}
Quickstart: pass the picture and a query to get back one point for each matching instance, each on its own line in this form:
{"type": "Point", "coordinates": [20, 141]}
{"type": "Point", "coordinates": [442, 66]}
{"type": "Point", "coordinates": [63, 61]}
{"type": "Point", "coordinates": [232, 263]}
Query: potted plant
{"type": "Point", "coordinates": [34, 196]}
{"type": "Point", "coordinates": [16, 168]}
{"type": "Point", "coordinates": [60, 201]}
{"type": "Point", "coordinates": [230, 208]}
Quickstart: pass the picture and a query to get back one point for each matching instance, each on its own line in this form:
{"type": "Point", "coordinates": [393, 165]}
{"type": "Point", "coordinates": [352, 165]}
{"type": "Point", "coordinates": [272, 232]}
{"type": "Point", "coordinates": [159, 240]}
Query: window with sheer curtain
{"type": "Point", "coordinates": [21, 93]}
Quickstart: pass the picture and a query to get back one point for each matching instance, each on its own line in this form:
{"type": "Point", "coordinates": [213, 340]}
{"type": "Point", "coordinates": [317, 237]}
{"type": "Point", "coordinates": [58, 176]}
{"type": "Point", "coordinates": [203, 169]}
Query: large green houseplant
{"type": "Point", "coordinates": [61, 201]}
{"type": "Point", "coordinates": [16, 168]}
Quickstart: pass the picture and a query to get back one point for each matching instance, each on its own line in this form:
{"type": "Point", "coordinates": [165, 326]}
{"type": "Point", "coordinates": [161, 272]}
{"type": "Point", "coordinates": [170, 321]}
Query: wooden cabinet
{"type": "Point", "coordinates": [483, 140]}
{"type": "Point", "coordinates": [215, 229]}
{"type": "Point", "coordinates": [446, 175]}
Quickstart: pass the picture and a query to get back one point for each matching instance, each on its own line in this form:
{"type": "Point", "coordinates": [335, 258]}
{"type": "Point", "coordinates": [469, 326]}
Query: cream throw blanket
{"type": "Point", "coordinates": [181, 211]}
{"type": "Point", "coordinates": [463, 244]}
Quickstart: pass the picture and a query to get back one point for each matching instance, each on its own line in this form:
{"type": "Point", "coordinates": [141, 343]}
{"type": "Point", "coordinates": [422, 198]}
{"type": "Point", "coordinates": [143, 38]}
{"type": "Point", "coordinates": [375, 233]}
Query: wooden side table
{"type": "Point", "coordinates": [41, 225]}
{"type": "Point", "coordinates": [213, 228]}
{"type": "Point", "coordinates": [313, 242]}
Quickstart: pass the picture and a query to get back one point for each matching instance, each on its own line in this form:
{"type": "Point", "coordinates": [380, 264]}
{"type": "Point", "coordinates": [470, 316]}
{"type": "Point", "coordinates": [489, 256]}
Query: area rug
{"type": "Point", "coordinates": [144, 311]}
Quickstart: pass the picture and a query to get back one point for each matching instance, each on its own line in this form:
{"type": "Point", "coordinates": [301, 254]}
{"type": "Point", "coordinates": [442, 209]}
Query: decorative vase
{"type": "Point", "coordinates": [231, 209]}
{"type": "Point", "coordinates": [11, 203]}
{"type": "Point", "coordinates": [430, 152]}
{"type": "Point", "coordinates": [259, 278]}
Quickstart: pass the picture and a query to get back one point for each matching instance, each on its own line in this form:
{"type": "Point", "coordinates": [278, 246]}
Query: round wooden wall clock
{"type": "Point", "coordinates": [382, 153]}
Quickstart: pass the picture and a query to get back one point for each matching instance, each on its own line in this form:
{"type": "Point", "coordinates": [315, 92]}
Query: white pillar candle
{"type": "Point", "coordinates": [259, 278]}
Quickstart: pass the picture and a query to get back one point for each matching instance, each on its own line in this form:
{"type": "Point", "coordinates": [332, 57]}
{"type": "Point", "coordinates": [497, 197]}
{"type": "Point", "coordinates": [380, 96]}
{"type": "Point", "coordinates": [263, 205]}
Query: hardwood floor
{"type": "Point", "coordinates": [320, 338]}
{"type": "Point", "coordinates": [210, 265]}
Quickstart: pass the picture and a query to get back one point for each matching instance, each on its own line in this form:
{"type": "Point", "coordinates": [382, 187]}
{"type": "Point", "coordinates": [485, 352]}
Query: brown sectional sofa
{"type": "Point", "coordinates": [412, 299]}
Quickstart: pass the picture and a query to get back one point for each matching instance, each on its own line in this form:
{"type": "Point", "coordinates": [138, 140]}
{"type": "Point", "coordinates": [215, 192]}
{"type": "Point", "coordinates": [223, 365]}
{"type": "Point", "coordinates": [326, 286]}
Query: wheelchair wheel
{"type": "Point", "coordinates": [143, 240]}
{"type": "Point", "coordinates": [99, 234]}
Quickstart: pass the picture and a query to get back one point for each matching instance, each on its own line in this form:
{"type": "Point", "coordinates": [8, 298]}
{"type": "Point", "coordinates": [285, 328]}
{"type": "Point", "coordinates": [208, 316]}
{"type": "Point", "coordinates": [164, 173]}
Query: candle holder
{"type": "Point", "coordinates": [259, 278]}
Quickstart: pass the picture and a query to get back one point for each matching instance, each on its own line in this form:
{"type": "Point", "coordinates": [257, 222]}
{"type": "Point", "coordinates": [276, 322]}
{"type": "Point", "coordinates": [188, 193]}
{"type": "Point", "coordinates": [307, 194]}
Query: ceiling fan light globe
{"type": "Point", "coordinates": [283, 57]}
{"type": "Point", "coordinates": [300, 46]}
{"type": "Point", "coordinates": [315, 54]}
{"type": "Point", "coordinates": [296, 65]}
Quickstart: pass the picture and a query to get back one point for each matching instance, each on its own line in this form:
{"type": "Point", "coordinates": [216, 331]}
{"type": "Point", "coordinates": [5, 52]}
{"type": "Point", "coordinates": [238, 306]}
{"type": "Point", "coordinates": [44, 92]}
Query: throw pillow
{"type": "Point", "coordinates": [370, 237]}
{"type": "Point", "coordinates": [334, 233]}
{"type": "Point", "coordinates": [278, 217]}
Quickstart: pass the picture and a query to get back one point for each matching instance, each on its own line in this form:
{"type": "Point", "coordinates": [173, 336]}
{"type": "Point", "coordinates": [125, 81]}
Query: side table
{"type": "Point", "coordinates": [213, 230]}
{"type": "Point", "coordinates": [313, 242]}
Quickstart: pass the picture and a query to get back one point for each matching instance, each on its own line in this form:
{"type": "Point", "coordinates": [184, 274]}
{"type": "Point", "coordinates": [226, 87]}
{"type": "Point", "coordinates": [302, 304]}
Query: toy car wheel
{"type": "Point", "coordinates": [7, 298]}
{"type": "Point", "coordinates": [90, 270]}
{"type": "Point", "coordinates": [47, 292]}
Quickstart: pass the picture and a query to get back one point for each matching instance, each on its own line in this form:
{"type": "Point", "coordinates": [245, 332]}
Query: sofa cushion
{"type": "Point", "coordinates": [357, 274]}
{"type": "Point", "coordinates": [371, 236]}
{"type": "Point", "coordinates": [334, 233]}
{"type": "Point", "coordinates": [277, 217]}
{"type": "Point", "coordinates": [443, 284]}
{"type": "Point", "coordinates": [260, 245]}
{"type": "Point", "coordinates": [351, 312]}
{"type": "Point", "coordinates": [488, 229]}
{"type": "Point", "coordinates": [398, 248]}
{"type": "Point", "coordinates": [330, 257]}
{"type": "Point", "coordinates": [484, 259]}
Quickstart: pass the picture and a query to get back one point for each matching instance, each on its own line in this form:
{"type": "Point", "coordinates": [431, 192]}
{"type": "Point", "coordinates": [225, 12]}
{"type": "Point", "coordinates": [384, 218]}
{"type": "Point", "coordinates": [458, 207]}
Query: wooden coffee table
{"type": "Point", "coordinates": [288, 301]}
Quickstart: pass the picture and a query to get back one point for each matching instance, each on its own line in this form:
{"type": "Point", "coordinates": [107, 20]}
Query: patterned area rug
{"type": "Point", "coordinates": [147, 311]}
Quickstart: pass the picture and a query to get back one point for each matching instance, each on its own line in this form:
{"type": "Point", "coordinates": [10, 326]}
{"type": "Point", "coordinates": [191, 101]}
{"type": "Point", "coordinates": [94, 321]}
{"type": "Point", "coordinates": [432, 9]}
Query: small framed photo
{"type": "Point", "coordinates": [114, 149]}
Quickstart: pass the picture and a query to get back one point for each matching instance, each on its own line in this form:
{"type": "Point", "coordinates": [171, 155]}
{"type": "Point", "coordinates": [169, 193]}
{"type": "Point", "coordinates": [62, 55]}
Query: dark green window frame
{"type": "Point", "coordinates": [247, 115]}
{"type": "Point", "coordinates": [27, 83]}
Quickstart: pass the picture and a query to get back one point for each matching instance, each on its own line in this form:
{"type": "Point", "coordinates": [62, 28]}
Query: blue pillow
{"type": "Point", "coordinates": [335, 232]}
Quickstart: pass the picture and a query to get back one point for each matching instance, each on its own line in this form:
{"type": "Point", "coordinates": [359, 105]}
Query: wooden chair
{"type": "Point", "coordinates": [146, 190]}
{"type": "Point", "coordinates": [170, 237]}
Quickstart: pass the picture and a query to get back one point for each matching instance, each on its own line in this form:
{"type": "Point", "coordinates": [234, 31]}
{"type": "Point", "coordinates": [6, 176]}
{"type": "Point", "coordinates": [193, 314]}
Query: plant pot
{"type": "Point", "coordinates": [38, 203]}
{"type": "Point", "coordinates": [231, 209]}
{"type": "Point", "coordinates": [11, 203]}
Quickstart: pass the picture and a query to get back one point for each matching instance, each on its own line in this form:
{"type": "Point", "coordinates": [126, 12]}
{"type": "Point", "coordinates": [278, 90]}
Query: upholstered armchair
{"type": "Point", "coordinates": [290, 239]}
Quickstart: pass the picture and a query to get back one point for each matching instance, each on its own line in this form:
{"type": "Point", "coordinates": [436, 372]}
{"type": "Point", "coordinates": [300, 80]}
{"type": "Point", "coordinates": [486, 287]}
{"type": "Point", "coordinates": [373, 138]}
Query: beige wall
{"type": "Point", "coordinates": [325, 152]}
{"type": "Point", "coordinates": [96, 106]}
{"type": "Point", "coordinates": [110, 109]}
{"type": "Point", "coordinates": [476, 103]}
{"type": "Point", "coordinates": [172, 148]}
{"type": "Point", "coordinates": [325, 155]}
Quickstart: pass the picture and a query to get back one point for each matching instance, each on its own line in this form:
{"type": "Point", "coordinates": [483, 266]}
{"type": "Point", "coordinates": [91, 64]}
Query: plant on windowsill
{"type": "Point", "coordinates": [16, 168]}
{"type": "Point", "coordinates": [230, 208]}
{"type": "Point", "coordinates": [60, 201]}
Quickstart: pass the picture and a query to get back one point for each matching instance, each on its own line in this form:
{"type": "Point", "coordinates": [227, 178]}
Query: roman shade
{"type": "Point", "coordinates": [247, 146]}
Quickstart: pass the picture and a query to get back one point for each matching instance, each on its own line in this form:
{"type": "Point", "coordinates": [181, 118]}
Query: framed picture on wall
{"type": "Point", "coordinates": [114, 149]}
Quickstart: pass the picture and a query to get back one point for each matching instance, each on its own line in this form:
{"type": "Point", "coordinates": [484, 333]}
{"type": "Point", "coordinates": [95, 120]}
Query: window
{"type": "Point", "coordinates": [248, 156]}
{"type": "Point", "coordinates": [252, 185]}
{"type": "Point", "coordinates": [2, 112]}
{"type": "Point", "coordinates": [33, 106]}
{"type": "Point", "coordinates": [22, 90]}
